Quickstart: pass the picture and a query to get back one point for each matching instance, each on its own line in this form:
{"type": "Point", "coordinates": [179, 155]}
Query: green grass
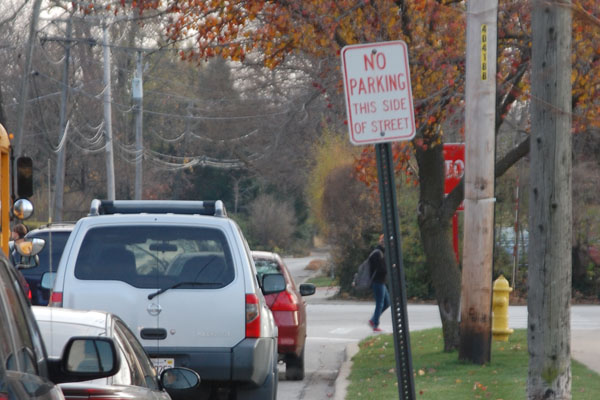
{"type": "Point", "coordinates": [323, 281]}
{"type": "Point", "coordinates": [440, 375]}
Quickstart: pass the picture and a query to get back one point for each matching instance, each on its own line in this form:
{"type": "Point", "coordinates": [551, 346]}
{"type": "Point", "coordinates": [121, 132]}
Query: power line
{"type": "Point", "coordinates": [166, 114]}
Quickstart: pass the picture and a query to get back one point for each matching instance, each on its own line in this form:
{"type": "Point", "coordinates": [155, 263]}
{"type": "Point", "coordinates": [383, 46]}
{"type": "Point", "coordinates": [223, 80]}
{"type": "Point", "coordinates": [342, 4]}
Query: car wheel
{"type": "Point", "coordinates": [294, 367]}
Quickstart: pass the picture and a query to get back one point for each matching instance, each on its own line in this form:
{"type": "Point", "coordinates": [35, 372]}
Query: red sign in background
{"type": "Point", "coordinates": [454, 162]}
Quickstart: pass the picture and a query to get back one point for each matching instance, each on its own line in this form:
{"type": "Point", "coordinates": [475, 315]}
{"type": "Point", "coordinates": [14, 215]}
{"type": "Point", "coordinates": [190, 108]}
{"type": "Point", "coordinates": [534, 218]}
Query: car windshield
{"type": "Point", "coordinates": [156, 256]}
{"type": "Point", "coordinates": [50, 255]}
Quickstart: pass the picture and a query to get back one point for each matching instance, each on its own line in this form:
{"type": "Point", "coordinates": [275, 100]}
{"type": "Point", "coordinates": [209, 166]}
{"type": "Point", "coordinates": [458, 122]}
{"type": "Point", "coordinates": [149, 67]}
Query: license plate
{"type": "Point", "coordinates": [163, 363]}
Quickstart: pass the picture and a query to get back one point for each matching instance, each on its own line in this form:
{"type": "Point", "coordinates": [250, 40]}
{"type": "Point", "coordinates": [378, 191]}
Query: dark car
{"type": "Point", "coordinates": [56, 236]}
{"type": "Point", "coordinates": [26, 373]}
{"type": "Point", "coordinates": [289, 311]}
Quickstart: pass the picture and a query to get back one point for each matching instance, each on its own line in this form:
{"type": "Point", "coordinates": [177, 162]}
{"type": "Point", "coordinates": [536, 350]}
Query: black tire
{"type": "Point", "coordinates": [294, 367]}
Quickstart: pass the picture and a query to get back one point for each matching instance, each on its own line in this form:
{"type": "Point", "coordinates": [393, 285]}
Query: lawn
{"type": "Point", "coordinates": [323, 281]}
{"type": "Point", "coordinates": [440, 375]}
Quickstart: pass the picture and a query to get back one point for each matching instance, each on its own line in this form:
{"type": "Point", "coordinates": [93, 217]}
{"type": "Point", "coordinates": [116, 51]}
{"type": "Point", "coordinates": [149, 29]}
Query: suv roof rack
{"type": "Point", "coordinates": [207, 207]}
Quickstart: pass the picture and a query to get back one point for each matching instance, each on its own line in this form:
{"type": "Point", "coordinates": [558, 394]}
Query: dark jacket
{"type": "Point", "coordinates": [377, 264]}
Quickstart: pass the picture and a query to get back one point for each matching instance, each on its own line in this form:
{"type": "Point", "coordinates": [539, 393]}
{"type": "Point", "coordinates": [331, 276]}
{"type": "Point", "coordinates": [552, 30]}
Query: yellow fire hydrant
{"type": "Point", "coordinates": [501, 291]}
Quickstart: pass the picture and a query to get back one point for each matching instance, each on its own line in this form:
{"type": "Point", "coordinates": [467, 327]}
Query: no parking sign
{"type": "Point", "coordinates": [378, 93]}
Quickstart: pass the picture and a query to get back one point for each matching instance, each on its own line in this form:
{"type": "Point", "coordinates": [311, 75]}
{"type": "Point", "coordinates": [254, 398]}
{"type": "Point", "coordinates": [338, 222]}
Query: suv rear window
{"type": "Point", "coordinates": [156, 256]}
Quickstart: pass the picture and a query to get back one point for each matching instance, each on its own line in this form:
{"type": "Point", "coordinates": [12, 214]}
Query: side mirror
{"type": "Point", "coordinates": [27, 251]}
{"type": "Point", "coordinates": [179, 381]}
{"type": "Point", "coordinates": [85, 358]}
{"type": "Point", "coordinates": [48, 279]}
{"type": "Point", "coordinates": [90, 356]}
{"type": "Point", "coordinates": [307, 289]}
{"type": "Point", "coordinates": [30, 247]}
{"type": "Point", "coordinates": [22, 209]}
{"type": "Point", "coordinates": [273, 283]}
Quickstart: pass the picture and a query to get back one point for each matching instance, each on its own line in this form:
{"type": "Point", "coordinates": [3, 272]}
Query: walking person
{"type": "Point", "coordinates": [378, 271]}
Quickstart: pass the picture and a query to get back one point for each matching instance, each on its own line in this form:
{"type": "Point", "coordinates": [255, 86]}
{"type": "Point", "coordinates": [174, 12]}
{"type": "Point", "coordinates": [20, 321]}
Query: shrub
{"type": "Point", "coordinates": [271, 223]}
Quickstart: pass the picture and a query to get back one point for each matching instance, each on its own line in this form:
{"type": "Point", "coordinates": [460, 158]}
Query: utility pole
{"type": "Point", "coordinates": [25, 80]}
{"type": "Point", "coordinates": [550, 198]}
{"type": "Point", "coordinates": [138, 95]}
{"type": "Point", "coordinates": [110, 164]}
{"type": "Point", "coordinates": [516, 230]}
{"type": "Point", "coordinates": [59, 184]}
{"type": "Point", "coordinates": [480, 95]}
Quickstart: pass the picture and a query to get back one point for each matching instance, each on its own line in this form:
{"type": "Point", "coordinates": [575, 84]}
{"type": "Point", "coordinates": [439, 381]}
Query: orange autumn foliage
{"type": "Point", "coordinates": [433, 29]}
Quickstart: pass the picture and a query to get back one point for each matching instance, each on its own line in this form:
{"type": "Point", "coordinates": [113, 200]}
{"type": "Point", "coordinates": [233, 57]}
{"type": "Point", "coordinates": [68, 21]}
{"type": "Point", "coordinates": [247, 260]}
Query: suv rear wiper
{"type": "Point", "coordinates": [178, 284]}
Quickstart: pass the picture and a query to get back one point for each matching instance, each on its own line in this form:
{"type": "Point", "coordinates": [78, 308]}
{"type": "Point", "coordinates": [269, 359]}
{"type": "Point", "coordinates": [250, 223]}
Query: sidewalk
{"type": "Point", "coordinates": [584, 348]}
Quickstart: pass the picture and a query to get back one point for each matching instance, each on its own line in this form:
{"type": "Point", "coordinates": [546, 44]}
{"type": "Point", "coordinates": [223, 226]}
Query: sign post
{"type": "Point", "coordinates": [380, 110]}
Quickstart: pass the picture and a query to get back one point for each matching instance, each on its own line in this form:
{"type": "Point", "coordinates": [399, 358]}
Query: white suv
{"type": "Point", "coordinates": [181, 276]}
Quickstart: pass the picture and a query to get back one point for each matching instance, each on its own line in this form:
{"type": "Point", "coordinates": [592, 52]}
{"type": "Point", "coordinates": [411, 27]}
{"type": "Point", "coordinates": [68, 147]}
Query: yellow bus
{"type": "Point", "coordinates": [5, 202]}
{"type": "Point", "coordinates": [22, 208]}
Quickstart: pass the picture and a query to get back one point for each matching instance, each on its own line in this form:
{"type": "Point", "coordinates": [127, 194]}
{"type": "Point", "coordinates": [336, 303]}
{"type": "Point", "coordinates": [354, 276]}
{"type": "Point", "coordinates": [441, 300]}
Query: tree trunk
{"type": "Point", "coordinates": [550, 219]}
{"type": "Point", "coordinates": [436, 236]}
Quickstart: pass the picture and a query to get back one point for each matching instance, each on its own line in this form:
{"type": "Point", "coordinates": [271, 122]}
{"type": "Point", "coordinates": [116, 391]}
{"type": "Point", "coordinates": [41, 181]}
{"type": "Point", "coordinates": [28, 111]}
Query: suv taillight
{"type": "Point", "coordinates": [252, 316]}
{"type": "Point", "coordinates": [56, 299]}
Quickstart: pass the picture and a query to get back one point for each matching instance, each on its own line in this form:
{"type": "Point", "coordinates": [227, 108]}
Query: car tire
{"type": "Point", "coordinates": [294, 366]}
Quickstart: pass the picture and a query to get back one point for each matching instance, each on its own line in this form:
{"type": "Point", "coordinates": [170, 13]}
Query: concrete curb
{"type": "Point", "coordinates": [341, 381]}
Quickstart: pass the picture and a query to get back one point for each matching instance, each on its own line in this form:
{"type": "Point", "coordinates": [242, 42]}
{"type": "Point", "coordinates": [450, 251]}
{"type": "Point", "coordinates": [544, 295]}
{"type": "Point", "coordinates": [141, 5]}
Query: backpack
{"type": "Point", "coordinates": [363, 277]}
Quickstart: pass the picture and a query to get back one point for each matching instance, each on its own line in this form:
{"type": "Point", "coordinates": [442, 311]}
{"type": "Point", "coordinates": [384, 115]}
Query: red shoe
{"type": "Point", "coordinates": [371, 324]}
{"type": "Point", "coordinates": [377, 330]}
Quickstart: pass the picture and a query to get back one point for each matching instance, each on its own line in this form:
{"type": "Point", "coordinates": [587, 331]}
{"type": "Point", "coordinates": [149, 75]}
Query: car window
{"type": "Point", "coordinates": [147, 369]}
{"type": "Point", "coordinates": [25, 356]}
{"type": "Point", "coordinates": [126, 374]}
{"type": "Point", "coordinates": [6, 343]}
{"type": "Point", "coordinates": [156, 256]}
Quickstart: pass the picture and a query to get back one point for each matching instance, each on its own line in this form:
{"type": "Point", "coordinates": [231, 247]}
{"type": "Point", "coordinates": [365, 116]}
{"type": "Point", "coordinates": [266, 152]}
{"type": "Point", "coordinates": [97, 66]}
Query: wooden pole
{"type": "Point", "coordinates": [35, 14]}
{"type": "Point", "coordinates": [480, 95]}
{"type": "Point", "coordinates": [138, 95]}
{"type": "Point", "coordinates": [59, 180]}
{"type": "Point", "coordinates": [110, 163]}
{"type": "Point", "coordinates": [550, 195]}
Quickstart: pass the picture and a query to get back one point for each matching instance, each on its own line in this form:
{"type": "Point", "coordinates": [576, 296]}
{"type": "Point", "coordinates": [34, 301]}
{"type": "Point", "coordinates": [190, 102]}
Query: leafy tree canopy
{"type": "Point", "coordinates": [433, 29]}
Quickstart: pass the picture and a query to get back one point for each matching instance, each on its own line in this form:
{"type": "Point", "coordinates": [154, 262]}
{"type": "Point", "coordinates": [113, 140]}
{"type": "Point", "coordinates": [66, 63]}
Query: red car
{"type": "Point", "coordinates": [289, 311]}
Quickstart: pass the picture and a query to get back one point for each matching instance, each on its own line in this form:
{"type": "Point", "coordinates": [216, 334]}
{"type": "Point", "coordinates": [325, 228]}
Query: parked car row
{"type": "Point", "coordinates": [188, 293]}
{"type": "Point", "coordinates": [26, 370]}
